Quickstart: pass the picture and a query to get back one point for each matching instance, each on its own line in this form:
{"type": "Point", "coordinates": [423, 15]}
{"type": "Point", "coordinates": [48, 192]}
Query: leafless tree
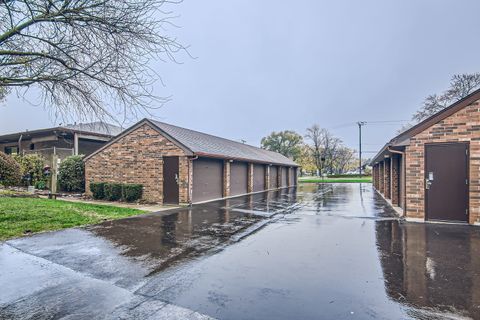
{"type": "Point", "coordinates": [89, 58]}
{"type": "Point", "coordinates": [461, 85]}
{"type": "Point", "coordinates": [315, 135]}
{"type": "Point", "coordinates": [324, 148]}
{"type": "Point", "coordinates": [344, 159]}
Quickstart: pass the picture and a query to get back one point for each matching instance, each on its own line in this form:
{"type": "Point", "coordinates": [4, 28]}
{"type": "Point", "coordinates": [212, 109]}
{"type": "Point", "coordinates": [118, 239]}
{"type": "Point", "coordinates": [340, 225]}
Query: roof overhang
{"type": "Point", "coordinates": [137, 125]}
{"type": "Point", "coordinates": [403, 139]}
{"type": "Point", "coordinates": [220, 156]}
{"type": "Point", "coordinates": [25, 135]}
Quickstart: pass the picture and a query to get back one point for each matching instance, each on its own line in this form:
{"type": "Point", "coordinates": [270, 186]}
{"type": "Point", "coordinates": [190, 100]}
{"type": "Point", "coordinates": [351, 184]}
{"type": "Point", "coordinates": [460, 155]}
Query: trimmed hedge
{"type": "Point", "coordinates": [10, 171]}
{"type": "Point", "coordinates": [131, 192]}
{"type": "Point", "coordinates": [71, 174]}
{"type": "Point", "coordinates": [98, 190]}
{"type": "Point", "coordinates": [116, 191]}
{"type": "Point", "coordinates": [113, 191]}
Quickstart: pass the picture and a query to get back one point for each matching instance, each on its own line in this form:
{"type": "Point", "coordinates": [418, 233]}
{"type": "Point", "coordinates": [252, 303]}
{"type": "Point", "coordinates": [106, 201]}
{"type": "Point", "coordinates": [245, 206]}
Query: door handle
{"type": "Point", "coordinates": [176, 178]}
{"type": "Point", "coordinates": [428, 183]}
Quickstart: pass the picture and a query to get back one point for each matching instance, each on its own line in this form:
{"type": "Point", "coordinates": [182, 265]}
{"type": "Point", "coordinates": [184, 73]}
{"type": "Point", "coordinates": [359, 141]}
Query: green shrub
{"type": "Point", "coordinates": [131, 192]}
{"type": "Point", "coordinates": [10, 171]}
{"type": "Point", "coordinates": [32, 169]}
{"type": "Point", "coordinates": [98, 190]}
{"type": "Point", "coordinates": [71, 174]}
{"type": "Point", "coordinates": [41, 184]}
{"type": "Point", "coordinates": [113, 191]}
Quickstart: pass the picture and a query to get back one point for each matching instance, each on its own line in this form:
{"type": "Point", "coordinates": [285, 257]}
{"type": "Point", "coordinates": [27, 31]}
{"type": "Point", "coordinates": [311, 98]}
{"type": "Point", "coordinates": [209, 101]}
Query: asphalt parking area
{"type": "Point", "coordinates": [322, 251]}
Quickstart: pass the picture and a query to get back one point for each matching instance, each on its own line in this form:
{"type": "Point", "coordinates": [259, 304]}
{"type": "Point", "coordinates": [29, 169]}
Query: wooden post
{"type": "Point", "coordinates": [54, 171]}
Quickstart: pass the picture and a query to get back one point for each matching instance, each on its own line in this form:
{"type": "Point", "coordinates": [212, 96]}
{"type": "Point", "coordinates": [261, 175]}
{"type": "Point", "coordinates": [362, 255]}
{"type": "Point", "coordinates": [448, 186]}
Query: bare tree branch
{"type": "Point", "coordinates": [461, 85]}
{"type": "Point", "coordinates": [90, 58]}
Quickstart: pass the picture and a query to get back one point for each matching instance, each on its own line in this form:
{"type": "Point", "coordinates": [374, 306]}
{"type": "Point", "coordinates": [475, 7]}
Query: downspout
{"type": "Point", "coordinates": [20, 143]}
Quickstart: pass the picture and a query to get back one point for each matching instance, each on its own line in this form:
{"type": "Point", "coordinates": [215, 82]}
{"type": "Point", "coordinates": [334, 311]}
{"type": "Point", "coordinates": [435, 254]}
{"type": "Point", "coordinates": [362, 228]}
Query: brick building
{"type": "Point", "coordinates": [432, 170]}
{"type": "Point", "coordinates": [178, 165]}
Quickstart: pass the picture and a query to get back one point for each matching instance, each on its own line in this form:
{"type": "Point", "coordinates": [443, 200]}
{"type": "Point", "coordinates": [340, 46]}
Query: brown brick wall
{"type": "Point", "coordinates": [461, 126]}
{"type": "Point", "coordinates": [137, 158]}
{"type": "Point", "coordinates": [381, 180]}
{"type": "Point", "coordinates": [387, 176]}
{"type": "Point", "coordinates": [395, 176]}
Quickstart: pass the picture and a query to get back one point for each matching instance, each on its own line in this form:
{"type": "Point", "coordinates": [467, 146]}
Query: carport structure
{"type": "Point", "coordinates": [179, 165]}
{"type": "Point", "coordinates": [432, 170]}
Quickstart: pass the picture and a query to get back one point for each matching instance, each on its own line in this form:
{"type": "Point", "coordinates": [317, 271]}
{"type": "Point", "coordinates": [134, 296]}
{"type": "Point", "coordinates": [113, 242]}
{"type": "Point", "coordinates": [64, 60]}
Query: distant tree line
{"type": "Point", "coordinates": [317, 151]}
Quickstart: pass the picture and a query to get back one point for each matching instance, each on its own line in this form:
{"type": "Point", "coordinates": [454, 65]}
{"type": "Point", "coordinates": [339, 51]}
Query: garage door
{"type": "Point", "coordinates": [258, 177]}
{"type": "Point", "coordinates": [238, 178]}
{"type": "Point", "coordinates": [284, 176]}
{"type": "Point", "coordinates": [273, 177]}
{"type": "Point", "coordinates": [207, 179]}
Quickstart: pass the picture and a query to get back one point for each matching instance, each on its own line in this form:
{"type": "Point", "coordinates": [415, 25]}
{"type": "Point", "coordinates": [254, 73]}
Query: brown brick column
{"type": "Point", "coordinates": [250, 178]}
{"type": "Point", "coordinates": [387, 168]}
{"type": "Point", "coordinates": [395, 179]}
{"type": "Point", "coordinates": [184, 179]}
{"type": "Point", "coordinates": [226, 178]}
{"type": "Point", "coordinates": [381, 178]}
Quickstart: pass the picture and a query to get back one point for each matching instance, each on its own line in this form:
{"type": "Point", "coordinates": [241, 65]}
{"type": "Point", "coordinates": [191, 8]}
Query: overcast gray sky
{"type": "Point", "coordinates": [274, 65]}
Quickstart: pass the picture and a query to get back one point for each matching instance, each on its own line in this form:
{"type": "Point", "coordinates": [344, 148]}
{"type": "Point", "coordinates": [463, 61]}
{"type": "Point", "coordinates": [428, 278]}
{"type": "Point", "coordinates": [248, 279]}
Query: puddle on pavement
{"type": "Point", "coordinates": [127, 251]}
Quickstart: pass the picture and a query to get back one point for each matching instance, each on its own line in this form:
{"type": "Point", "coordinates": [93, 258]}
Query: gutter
{"type": "Point", "coordinates": [20, 143]}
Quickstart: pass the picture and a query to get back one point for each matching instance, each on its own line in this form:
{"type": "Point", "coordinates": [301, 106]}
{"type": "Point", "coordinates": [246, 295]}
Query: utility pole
{"type": "Point", "coordinates": [360, 125]}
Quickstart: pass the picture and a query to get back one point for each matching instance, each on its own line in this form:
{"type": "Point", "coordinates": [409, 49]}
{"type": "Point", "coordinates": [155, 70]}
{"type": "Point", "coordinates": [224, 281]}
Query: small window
{"type": "Point", "coordinates": [32, 146]}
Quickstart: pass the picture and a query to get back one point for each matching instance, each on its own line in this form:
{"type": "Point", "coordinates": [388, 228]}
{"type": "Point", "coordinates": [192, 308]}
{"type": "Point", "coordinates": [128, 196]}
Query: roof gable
{"type": "Point", "coordinates": [439, 116]}
{"type": "Point", "coordinates": [203, 144]}
{"type": "Point", "coordinates": [402, 139]}
{"type": "Point", "coordinates": [208, 145]}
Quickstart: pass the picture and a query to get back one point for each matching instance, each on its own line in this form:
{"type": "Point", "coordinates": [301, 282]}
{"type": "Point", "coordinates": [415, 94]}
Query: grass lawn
{"type": "Point", "coordinates": [20, 216]}
{"type": "Point", "coordinates": [334, 180]}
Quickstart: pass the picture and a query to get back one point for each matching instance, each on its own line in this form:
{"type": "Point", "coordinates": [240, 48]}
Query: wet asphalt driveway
{"type": "Point", "coordinates": [319, 252]}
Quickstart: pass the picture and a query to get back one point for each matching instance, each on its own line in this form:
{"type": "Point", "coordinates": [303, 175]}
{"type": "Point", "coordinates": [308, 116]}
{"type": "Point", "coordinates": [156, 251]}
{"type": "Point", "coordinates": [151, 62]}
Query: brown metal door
{"type": "Point", "coordinates": [207, 179]}
{"type": "Point", "coordinates": [258, 177]}
{"type": "Point", "coordinates": [273, 177]}
{"type": "Point", "coordinates": [238, 178]}
{"type": "Point", "coordinates": [170, 180]}
{"type": "Point", "coordinates": [446, 181]}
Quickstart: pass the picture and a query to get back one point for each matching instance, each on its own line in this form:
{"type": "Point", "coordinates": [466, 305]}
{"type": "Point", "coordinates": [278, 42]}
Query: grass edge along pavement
{"type": "Point", "coordinates": [353, 179]}
{"type": "Point", "coordinates": [24, 216]}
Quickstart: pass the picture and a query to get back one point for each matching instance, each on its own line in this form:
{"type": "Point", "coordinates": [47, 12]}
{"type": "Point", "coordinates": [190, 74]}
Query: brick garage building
{"type": "Point", "coordinates": [432, 170]}
{"type": "Point", "coordinates": [178, 165]}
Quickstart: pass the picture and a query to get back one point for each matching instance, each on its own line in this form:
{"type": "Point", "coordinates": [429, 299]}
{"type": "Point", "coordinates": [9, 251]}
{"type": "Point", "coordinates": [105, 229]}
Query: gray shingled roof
{"type": "Point", "coordinates": [96, 127]}
{"type": "Point", "coordinates": [202, 143]}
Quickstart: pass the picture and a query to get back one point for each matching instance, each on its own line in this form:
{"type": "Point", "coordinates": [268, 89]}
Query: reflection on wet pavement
{"type": "Point", "coordinates": [319, 252]}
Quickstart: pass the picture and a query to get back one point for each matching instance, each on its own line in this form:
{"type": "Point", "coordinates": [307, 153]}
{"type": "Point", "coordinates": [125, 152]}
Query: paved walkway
{"type": "Point", "coordinates": [324, 252]}
{"type": "Point", "coordinates": [142, 206]}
